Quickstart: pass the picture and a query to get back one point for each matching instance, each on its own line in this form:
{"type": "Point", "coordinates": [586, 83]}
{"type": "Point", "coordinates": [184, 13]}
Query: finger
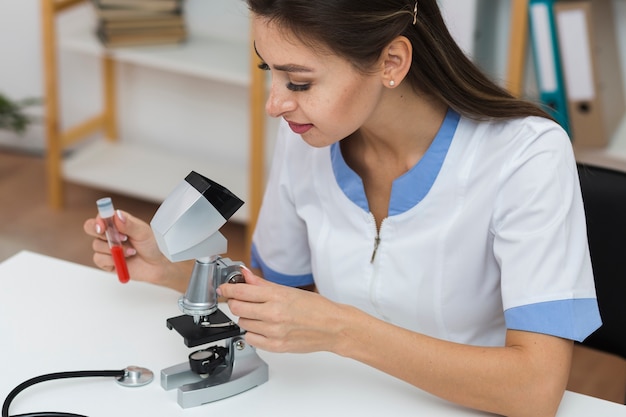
{"type": "Point", "coordinates": [245, 309]}
{"type": "Point", "coordinates": [102, 246]}
{"type": "Point", "coordinates": [268, 344]}
{"type": "Point", "coordinates": [132, 226]}
{"type": "Point", "coordinates": [246, 292]}
{"type": "Point", "coordinates": [247, 273]}
{"type": "Point", "coordinates": [243, 292]}
{"type": "Point", "coordinates": [103, 261]}
{"type": "Point", "coordinates": [253, 327]}
{"type": "Point", "coordinates": [258, 341]}
{"type": "Point", "coordinates": [272, 327]}
{"type": "Point", "coordinates": [251, 278]}
{"type": "Point", "coordinates": [94, 227]}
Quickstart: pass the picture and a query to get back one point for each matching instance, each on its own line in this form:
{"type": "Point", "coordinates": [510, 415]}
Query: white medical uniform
{"type": "Point", "coordinates": [486, 232]}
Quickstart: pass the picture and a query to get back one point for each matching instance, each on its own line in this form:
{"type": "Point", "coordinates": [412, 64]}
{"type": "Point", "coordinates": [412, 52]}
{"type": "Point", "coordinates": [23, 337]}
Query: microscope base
{"type": "Point", "coordinates": [248, 371]}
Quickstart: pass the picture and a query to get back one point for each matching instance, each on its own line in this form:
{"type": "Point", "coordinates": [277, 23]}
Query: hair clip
{"type": "Point", "coordinates": [415, 13]}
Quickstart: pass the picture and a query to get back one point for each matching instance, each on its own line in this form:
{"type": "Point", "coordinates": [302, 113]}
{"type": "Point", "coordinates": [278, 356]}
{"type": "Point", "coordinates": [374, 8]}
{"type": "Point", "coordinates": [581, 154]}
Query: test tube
{"type": "Point", "coordinates": [106, 211]}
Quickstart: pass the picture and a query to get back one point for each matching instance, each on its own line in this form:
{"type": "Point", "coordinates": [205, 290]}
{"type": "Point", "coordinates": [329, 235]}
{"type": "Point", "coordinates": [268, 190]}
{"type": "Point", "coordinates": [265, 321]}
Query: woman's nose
{"type": "Point", "coordinates": [279, 102]}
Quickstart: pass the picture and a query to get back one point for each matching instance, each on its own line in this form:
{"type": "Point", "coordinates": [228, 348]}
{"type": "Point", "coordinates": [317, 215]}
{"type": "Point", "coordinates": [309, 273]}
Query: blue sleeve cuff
{"type": "Point", "coordinates": [570, 319]}
{"type": "Point", "coordinates": [275, 276]}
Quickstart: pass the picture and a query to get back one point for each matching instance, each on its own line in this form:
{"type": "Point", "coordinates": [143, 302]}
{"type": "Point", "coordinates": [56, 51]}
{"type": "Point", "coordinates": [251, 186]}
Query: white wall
{"type": "Point", "coordinates": [20, 60]}
{"type": "Point", "coordinates": [480, 27]}
{"type": "Point", "coordinates": [191, 112]}
{"type": "Point", "coordinates": [460, 16]}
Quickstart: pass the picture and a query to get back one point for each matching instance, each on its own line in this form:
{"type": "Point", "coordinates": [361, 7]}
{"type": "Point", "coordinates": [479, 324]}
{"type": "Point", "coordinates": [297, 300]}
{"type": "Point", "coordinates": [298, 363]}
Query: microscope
{"type": "Point", "coordinates": [186, 227]}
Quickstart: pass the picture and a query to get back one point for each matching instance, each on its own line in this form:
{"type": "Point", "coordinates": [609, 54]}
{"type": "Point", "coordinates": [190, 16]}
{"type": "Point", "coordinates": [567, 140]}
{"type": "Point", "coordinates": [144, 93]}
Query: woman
{"type": "Point", "coordinates": [426, 206]}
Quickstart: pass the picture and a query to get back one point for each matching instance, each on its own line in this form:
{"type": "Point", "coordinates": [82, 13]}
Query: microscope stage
{"type": "Point", "coordinates": [196, 335]}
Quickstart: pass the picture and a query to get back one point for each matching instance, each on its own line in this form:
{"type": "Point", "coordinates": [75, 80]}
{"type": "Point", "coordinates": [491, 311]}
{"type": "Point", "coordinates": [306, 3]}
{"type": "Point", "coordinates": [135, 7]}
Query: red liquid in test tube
{"type": "Point", "coordinates": [106, 211]}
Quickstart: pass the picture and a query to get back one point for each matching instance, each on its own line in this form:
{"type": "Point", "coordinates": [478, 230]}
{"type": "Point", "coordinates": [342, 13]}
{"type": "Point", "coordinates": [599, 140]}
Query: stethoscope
{"type": "Point", "coordinates": [132, 376]}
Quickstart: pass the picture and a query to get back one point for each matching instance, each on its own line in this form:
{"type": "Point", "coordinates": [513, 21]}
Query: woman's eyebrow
{"type": "Point", "coordinates": [285, 67]}
{"type": "Point", "coordinates": [292, 68]}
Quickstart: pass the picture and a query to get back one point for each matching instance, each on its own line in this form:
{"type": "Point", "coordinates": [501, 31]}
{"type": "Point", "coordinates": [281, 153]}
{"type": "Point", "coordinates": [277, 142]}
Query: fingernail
{"type": "Point", "coordinates": [131, 252]}
{"type": "Point", "coordinates": [120, 216]}
{"type": "Point", "coordinates": [219, 291]}
{"type": "Point", "coordinates": [98, 229]}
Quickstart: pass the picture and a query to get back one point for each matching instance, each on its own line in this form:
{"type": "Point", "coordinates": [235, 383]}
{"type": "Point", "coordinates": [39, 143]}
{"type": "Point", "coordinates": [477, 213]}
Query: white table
{"type": "Point", "coordinates": [58, 316]}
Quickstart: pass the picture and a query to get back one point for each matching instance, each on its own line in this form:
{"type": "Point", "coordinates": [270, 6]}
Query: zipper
{"type": "Point", "coordinates": [376, 243]}
{"type": "Point", "coordinates": [376, 239]}
{"type": "Point", "coordinates": [374, 269]}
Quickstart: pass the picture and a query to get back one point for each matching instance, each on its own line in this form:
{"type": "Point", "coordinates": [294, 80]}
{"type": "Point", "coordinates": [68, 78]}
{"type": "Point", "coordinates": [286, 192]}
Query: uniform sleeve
{"type": "Point", "coordinates": [279, 244]}
{"type": "Point", "coordinates": [540, 239]}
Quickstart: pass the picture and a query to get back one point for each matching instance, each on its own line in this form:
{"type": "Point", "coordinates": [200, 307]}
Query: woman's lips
{"type": "Point", "coordinates": [300, 128]}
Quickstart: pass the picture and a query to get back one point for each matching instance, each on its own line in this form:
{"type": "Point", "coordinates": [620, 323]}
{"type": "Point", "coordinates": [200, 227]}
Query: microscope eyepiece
{"type": "Point", "coordinates": [224, 201]}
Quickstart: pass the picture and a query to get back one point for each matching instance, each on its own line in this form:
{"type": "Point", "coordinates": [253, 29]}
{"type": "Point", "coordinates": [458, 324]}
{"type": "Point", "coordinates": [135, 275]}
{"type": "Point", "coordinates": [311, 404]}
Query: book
{"type": "Point", "coordinates": [128, 13]}
{"type": "Point", "coordinates": [139, 22]}
{"type": "Point", "coordinates": [142, 38]}
{"type": "Point", "coordinates": [169, 21]}
{"type": "Point", "coordinates": [146, 5]}
{"type": "Point", "coordinates": [590, 55]}
{"type": "Point", "coordinates": [165, 30]}
{"type": "Point", "coordinates": [545, 49]}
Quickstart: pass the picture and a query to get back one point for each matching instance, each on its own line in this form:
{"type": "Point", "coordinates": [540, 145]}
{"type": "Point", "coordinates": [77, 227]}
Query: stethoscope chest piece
{"type": "Point", "coordinates": [136, 376]}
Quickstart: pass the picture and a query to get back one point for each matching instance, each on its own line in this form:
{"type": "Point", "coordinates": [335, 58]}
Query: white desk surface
{"type": "Point", "coordinates": [58, 316]}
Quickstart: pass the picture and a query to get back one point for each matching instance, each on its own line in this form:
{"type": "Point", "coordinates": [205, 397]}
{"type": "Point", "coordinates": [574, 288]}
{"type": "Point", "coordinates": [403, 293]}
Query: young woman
{"type": "Point", "coordinates": [439, 219]}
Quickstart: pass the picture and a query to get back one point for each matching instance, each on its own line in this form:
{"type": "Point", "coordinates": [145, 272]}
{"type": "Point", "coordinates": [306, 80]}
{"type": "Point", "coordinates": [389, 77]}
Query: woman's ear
{"type": "Point", "coordinates": [396, 61]}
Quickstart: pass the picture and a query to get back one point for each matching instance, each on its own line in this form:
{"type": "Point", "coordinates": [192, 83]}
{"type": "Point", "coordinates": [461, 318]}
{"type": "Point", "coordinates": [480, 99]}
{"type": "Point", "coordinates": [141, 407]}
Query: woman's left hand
{"type": "Point", "coordinates": [278, 318]}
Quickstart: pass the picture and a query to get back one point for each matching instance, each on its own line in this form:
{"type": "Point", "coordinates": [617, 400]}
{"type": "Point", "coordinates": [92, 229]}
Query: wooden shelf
{"type": "Point", "coordinates": [613, 156]}
{"type": "Point", "coordinates": [147, 173]}
{"type": "Point", "coordinates": [202, 56]}
{"type": "Point", "coordinates": [131, 168]}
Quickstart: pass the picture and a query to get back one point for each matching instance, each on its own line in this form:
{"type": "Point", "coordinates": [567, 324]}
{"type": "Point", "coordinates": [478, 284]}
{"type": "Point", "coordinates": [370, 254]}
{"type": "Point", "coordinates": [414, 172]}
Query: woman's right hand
{"type": "Point", "coordinates": [145, 260]}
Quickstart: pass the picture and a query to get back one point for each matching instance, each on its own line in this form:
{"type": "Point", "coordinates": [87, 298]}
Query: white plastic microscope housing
{"type": "Point", "coordinates": [186, 226]}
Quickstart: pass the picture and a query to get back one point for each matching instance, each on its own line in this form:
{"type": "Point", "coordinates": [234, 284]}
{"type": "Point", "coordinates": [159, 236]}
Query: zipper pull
{"type": "Point", "coordinates": [376, 243]}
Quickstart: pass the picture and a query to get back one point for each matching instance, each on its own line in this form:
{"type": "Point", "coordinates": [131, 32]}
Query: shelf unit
{"type": "Point", "coordinates": [518, 40]}
{"type": "Point", "coordinates": [614, 154]}
{"type": "Point", "coordinates": [89, 162]}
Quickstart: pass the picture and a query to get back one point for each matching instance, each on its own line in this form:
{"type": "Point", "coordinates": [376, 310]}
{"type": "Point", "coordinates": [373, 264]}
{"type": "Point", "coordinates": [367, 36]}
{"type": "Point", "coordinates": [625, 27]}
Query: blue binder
{"type": "Point", "coordinates": [544, 43]}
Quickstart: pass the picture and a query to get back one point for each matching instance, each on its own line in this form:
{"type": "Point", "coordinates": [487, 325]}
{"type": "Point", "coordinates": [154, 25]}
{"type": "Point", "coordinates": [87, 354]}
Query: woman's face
{"type": "Point", "coordinates": [321, 95]}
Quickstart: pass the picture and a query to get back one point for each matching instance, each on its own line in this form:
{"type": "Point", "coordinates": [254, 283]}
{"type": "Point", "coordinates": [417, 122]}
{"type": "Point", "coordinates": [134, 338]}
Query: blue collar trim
{"type": "Point", "coordinates": [410, 188]}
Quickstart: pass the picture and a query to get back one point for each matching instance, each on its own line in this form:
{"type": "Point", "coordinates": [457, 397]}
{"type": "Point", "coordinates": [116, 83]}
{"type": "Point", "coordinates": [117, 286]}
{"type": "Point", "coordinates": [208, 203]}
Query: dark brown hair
{"type": "Point", "coordinates": [359, 30]}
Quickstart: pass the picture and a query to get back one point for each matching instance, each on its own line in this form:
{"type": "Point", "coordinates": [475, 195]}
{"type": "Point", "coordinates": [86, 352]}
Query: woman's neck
{"type": "Point", "coordinates": [399, 132]}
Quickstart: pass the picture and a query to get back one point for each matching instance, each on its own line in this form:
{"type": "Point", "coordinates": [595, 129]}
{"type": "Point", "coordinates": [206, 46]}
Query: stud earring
{"type": "Point", "coordinates": [392, 83]}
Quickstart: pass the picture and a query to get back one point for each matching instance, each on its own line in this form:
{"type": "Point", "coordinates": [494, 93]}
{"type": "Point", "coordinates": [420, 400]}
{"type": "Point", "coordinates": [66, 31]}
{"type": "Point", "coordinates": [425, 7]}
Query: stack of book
{"type": "Point", "coordinates": [140, 22]}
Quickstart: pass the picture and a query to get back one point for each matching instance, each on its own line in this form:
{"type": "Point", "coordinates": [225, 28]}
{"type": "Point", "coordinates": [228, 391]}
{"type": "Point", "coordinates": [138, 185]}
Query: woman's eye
{"type": "Point", "coordinates": [298, 87]}
{"type": "Point", "coordinates": [290, 85]}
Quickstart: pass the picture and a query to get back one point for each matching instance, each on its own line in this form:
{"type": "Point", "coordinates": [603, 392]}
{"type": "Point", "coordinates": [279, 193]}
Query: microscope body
{"type": "Point", "coordinates": [186, 227]}
{"type": "Point", "coordinates": [218, 371]}
{"type": "Point", "coordinates": [200, 299]}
